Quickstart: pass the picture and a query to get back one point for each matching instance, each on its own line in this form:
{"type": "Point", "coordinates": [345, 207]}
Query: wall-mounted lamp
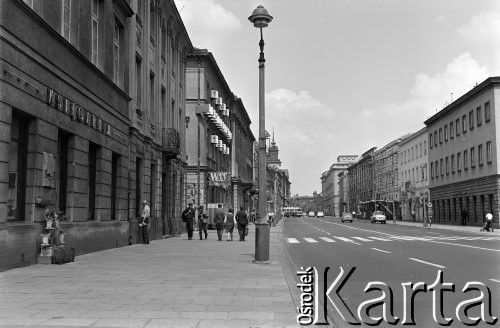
{"type": "Point", "coordinates": [187, 118]}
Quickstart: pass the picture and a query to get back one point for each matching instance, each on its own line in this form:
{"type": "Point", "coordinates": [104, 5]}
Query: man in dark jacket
{"type": "Point", "coordinates": [219, 220]}
{"type": "Point", "coordinates": [242, 220]}
{"type": "Point", "coordinates": [188, 217]}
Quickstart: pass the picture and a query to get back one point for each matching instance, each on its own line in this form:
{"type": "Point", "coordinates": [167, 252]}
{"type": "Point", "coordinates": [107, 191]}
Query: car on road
{"type": "Point", "coordinates": [320, 214]}
{"type": "Point", "coordinates": [378, 216]}
{"type": "Point", "coordinates": [299, 214]}
{"type": "Point", "coordinates": [346, 217]}
{"type": "Point", "coordinates": [311, 214]}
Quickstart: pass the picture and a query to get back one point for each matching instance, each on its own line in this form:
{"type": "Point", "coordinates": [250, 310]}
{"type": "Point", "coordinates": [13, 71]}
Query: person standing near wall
{"type": "Point", "coordinates": [146, 212]}
{"type": "Point", "coordinates": [202, 222]}
{"type": "Point", "coordinates": [242, 221]}
{"type": "Point", "coordinates": [219, 217]}
{"type": "Point", "coordinates": [188, 217]}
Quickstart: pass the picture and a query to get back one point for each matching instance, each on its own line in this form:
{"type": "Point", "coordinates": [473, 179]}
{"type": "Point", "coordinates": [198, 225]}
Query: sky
{"type": "Point", "coordinates": [343, 76]}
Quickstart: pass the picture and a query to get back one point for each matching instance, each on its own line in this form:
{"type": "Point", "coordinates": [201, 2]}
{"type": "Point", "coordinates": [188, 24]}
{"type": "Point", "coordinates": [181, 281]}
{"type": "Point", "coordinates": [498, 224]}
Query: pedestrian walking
{"type": "Point", "coordinates": [229, 223]}
{"type": "Point", "coordinates": [202, 222]}
{"type": "Point", "coordinates": [242, 221]}
{"type": "Point", "coordinates": [489, 222]}
{"type": "Point", "coordinates": [464, 217]}
{"type": "Point", "coordinates": [252, 216]}
{"type": "Point", "coordinates": [219, 220]}
{"type": "Point", "coordinates": [145, 220]}
{"type": "Point", "coordinates": [188, 218]}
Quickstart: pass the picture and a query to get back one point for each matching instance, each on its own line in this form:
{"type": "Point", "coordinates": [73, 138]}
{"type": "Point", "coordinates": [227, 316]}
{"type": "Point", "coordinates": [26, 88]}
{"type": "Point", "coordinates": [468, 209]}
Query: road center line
{"type": "Point", "coordinates": [428, 263]}
{"type": "Point", "coordinates": [381, 250]}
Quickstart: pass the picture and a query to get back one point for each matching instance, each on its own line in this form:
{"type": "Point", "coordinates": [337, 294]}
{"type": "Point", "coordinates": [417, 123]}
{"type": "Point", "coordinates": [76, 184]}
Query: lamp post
{"type": "Point", "coordinates": [260, 18]}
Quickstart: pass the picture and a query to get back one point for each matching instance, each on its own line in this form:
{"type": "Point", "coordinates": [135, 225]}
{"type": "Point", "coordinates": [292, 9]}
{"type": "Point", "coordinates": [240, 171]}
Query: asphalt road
{"type": "Point", "coordinates": [395, 254]}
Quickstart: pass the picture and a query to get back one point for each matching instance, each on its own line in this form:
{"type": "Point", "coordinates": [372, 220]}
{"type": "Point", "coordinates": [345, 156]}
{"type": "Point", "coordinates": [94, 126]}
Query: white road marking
{"type": "Point", "coordinates": [428, 263]}
{"type": "Point", "coordinates": [495, 280]}
{"type": "Point", "coordinates": [347, 240]}
{"type": "Point", "coordinates": [292, 241]}
{"type": "Point", "coordinates": [380, 250]}
{"type": "Point", "coordinates": [310, 240]}
{"type": "Point", "coordinates": [454, 244]}
{"type": "Point", "coordinates": [328, 240]}
{"type": "Point", "coordinates": [381, 239]}
{"type": "Point", "coordinates": [361, 238]}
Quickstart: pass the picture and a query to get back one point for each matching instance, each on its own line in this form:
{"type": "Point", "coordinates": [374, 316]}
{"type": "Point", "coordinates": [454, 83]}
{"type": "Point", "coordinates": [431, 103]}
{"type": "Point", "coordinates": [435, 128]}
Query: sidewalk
{"type": "Point", "coordinates": [467, 229]}
{"type": "Point", "coordinates": [173, 282]}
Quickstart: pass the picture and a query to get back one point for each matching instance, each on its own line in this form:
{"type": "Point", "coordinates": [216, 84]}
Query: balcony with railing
{"type": "Point", "coordinates": [171, 141]}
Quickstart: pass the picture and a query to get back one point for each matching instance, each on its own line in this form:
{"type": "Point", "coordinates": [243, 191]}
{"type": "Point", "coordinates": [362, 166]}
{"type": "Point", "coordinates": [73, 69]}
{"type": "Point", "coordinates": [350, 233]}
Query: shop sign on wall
{"type": "Point", "coordinates": [219, 179]}
{"type": "Point", "coordinates": [77, 113]}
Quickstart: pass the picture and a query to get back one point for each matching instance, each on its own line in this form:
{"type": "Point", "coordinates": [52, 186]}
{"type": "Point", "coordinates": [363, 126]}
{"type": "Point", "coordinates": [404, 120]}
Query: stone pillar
{"type": "Point", "coordinates": [77, 197]}
{"type": "Point", "coordinates": [122, 188]}
{"type": "Point", "coordinates": [5, 135]}
{"type": "Point", "coordinates": [103, 184]}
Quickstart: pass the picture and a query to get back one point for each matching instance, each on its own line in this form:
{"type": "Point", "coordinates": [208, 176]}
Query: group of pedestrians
{"type": "Point", "coordinates": [223, 222]}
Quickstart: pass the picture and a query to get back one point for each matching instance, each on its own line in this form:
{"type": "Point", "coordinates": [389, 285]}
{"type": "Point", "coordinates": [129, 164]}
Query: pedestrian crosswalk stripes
{"type": "Point", "coordinates": [387, 238]}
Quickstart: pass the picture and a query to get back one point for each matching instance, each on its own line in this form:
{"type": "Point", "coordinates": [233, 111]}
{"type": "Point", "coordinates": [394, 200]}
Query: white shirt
{"type": "Point", "coordinates": [489, 217]}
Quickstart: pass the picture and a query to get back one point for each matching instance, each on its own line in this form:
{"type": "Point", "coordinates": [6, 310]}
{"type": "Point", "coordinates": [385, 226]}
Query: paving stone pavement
{"type": "Point", "coordinates": [172, 282]}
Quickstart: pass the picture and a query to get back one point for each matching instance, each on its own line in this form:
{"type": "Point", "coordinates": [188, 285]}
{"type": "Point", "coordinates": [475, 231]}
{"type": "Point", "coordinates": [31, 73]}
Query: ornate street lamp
{"type": "Point", "coordinates": [260, 18]}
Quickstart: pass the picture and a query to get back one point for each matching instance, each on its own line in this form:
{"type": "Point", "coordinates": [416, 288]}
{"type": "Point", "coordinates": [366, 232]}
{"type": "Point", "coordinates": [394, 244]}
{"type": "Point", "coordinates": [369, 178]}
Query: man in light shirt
{"type": "Point", "coordinates": [145, 220]}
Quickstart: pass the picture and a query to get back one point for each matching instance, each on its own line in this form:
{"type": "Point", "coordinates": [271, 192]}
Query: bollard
{"type": "Point", "coordinates": [262, 232]}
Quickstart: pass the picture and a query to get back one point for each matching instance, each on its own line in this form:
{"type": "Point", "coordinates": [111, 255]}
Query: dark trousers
{"type": "Point", "coordinates": [220, 228]}
{"type": "Point", "coordinates": [145, 236]}
{"type": "Point", "coordinates": [242, 230]}
{"type": "Point", "coordinates": [189, 228]}
{"type": "Point", "coordinates": [202, 227]}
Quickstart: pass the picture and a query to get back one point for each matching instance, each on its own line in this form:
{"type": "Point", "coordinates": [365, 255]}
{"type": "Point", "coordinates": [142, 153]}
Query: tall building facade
{"type": "Point", "coordinates": [464, 158]}
{"type": "Point", "coordinates": [208, 106]}
{"type": "Point", "coordinates": [159, 44]}
{"type": "Point", "coordinates": [414, 176]}
{"type": "Point", "coordinates": [64, 122]}
{"type": "Point", "coordinates": [278, 181]}
{"type": "Point", "coordinates": [344, 204]}
{"type": "Point", "coordinates": [330, 202]}
{"type": "Point", "coordinates": [361, 181]}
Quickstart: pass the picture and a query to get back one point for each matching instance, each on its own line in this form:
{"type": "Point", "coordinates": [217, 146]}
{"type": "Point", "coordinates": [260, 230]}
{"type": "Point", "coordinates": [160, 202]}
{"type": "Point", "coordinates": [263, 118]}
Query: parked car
{"type": "Point", "coordinates": [299, 214]}
{"type": "Point", "coordinates": [311, 214]}
{"type": "Point", "coordinates": [378, 216]}
{"type": "Point", "coordinates": [320, 214]}
{"type": "Point", "coordinates": [347, 217]}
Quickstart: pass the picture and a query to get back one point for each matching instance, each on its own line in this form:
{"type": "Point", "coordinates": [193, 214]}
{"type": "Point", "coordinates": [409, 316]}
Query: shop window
{"type": "Point", "coordinates": [114, 179]}
{"type": "Point", "coordinates": [17, 168]}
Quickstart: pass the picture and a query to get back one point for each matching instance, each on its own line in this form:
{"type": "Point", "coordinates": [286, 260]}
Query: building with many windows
{"type": "Point", "coordinates": [330, 202]}
{"type": "Point", "coordinates": [64, 124]}
{"type": "Point", "coordinates": [344, 205]}
{"type": "Point", "coordinates": [463, 157]}
{"type": "Point", "coordinates": [414, 176]}
{"type": "Point", "coordinates": [159, 44]}
{"type": "Point", "coordinates": [361, 182]}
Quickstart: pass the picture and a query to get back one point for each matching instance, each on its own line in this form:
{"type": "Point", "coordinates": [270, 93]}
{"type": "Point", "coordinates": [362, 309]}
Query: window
{"type": "Point", "coordinates": [441, 167]}
{"type": "Point", "coordinates": [425, 147]}
{"type": "Point", "coordinates": [435, 139]}
{"type": "Point", "coordinates": [446, 132]}
{"type": "Point", "coordinates": [430, 140]}
{"type": "Point", "coordinates": [420, 149]}
{"type": "Point", "coordinates": [95, 32]}
{"type": "Point", "coordinates": [437, 168]}
{"type": "Point", "coordinates": [116, 54]}
{"type": "Point", "coordinates": [452, 130]}
{"type": "Point", "coordinates": [114, 177]}
{"type": "Point", "coordinates": [163, 43]}
{"type": "Point", "coordinates": [138, 83]}
{"type": "Point", "coordinates": [459, 163]}
{"type": "Point", "coordinates": [480, 155]}
{"type": "Point", "coordinates": [473, 157]}
{"type": "Point", "coordinates": [447, 164]}
{"type": "Point", "coordinates": [457, 126]}
{"type": "Point", "coordinates": [488, 152]}
{"type": "Point", "coordinates": [464, 123]}
{"type": "Point", "coordinates": [452, 162]}
{"type": "Point", "coordinates": [471, 120]}
{"type": "Point", "coordinates": [432, 170]}
{"type": "Point", "coordinates": [151, 105]}
{"type": "Point", "coordinates": [479, 117]}
{"type": "Point", "coordinates": [466, 164]}
{"type": "Point", "coordinates": [440, 135]}
{"type": "Point", "coordinates": [152, 23]}
{"type": "Point", "coordinates": [412, 154]}
{"type": "Point", "coordinates": [138, 186]}
{"type": "Point", "coordinates": [66, 21]}
{"type": "Point", "coordinates": [487, 114]}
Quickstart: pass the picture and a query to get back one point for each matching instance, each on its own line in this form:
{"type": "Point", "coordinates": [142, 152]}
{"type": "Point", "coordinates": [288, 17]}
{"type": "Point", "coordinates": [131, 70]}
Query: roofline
{"type": "Point", "coordinates": [205, 53]}
{"type": "Point", "coordinates": [181, 22]}
{"type": "Point", "coordinates": [491, 81]}
{"type": "Point", "coordinates": [414, 136]}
